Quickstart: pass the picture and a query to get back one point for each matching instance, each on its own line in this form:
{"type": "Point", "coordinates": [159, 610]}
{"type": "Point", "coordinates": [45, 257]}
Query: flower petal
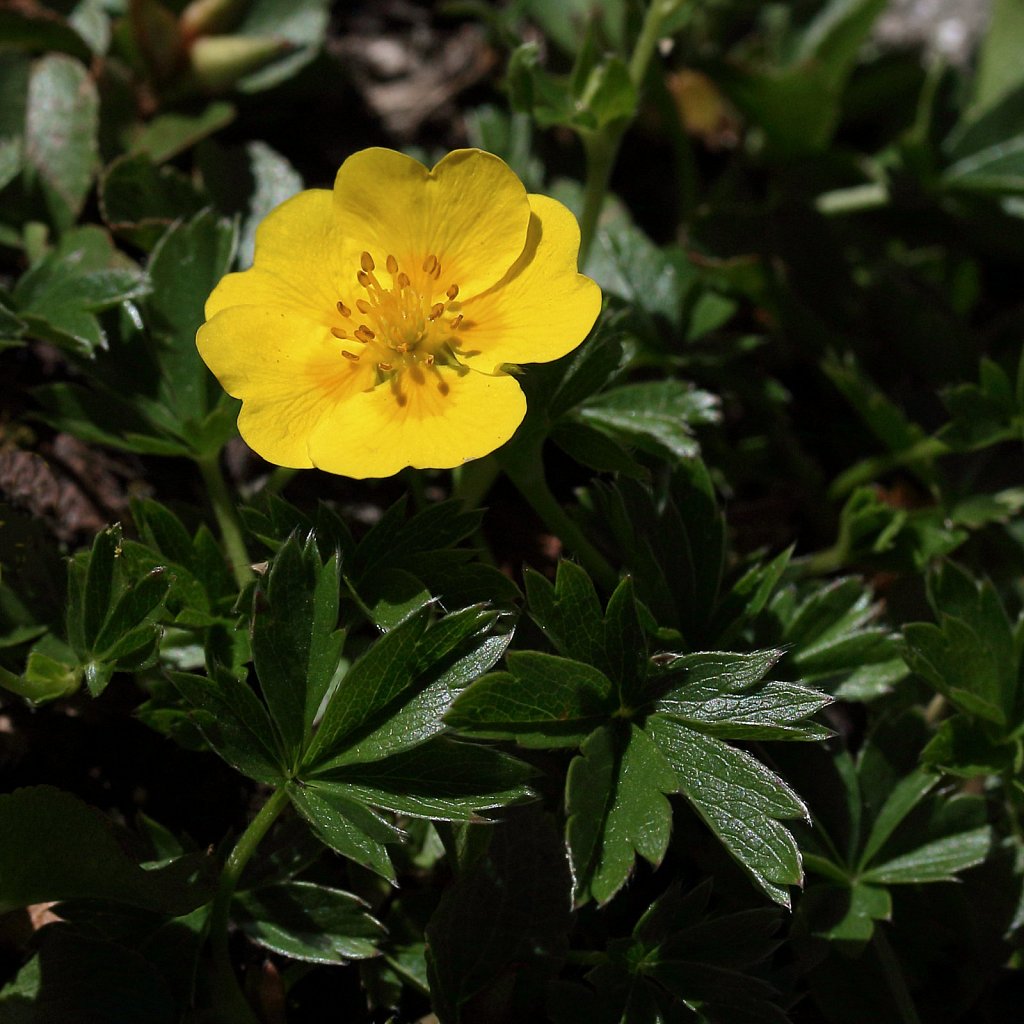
{"type": "Point", "coordinates": [288, 371]}
{"type": "Point", "coordinates": [299, 261]}
{"type": "Point", "coordinates": [372, 435]}
{"type": "Point", "coordinates": [543, 308]}
{"type": "Point", "coordinates": [471, 212]}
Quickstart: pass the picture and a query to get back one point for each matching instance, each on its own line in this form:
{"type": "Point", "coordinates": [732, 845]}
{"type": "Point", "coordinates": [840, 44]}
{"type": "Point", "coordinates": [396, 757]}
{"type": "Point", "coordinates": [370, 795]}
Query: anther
{"type": "Point", "coordinates": [436, 310]}
{"type": "Point", "coordinates": [429, 264]}
{"type": "Point", "coordinates": [401, 399]}
{"type": "Point", "coordinates": [363, 333]}
{"type": "Point", "coordinates": [366, 262]}
{"type": "Point", "coordinates": [385, 367]}
{"type": "Point", "coordinates": [428, 359]}
{"type": "Point", "coordinates": [363, 278]}
{"type": "Point", "coordinates": [338, 333]}
{"type": "Point", "coordinates": [350, 356]}
{"type": "Point", "coordinates": [454, 325]}
{"type": "Point", "coordinates": [442, 386]}
{"type": "Point", "coordinates": [392, 265]}
{"type": "Point", "coordinates": [436, 273]}
{"type": "Point", "coordinates": [344, 310]}
{"type": "Point", "coordinates": [452, 292]}
{"type": "Point", "coordinates": [403, 280]}
{"type": "Point", "coordinates": [363, 306]}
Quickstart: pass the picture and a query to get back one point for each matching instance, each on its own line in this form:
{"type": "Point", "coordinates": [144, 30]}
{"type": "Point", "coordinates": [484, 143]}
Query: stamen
{"type": "Point", "coordinates": [403, 280]}
{"type": "Point", "coordinates": [429, 264]}
{"type": "Point", "coordinates": [350, 355]}
{"type": "Point", "coordinates": [400, 398]}
{"type": "Point", "coordinates": [363, 306]}
{"type": "Point", "coordinates": [452, 292]}
{"type": "Point", "coordinates": [385, 367]}
{"type": "Point", "coordinates": [428, 359]}
{"type": "Point", "coordinates": [366, 262]}
{"type": "Point", "coordinates": [436, 310]}
{"type": "Point", "coordinates": [338, 333]}
{"type": "Point", "coordinates": [363, 278]}
{"type": "Point", "coordinates": [442, 386]}
{"type": "Point", "coordinates": [436, 272]}
{"type": "Point", "coordinates": [344, 310]}
{"type": "Point", "coordinates": [455, 322]}
{"type": "Point", "coordinates": [363, 333]}
{"type": "Point", "coordinates": [392, 265]}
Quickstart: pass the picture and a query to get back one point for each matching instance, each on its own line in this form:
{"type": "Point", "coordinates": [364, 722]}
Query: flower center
{"type": "Point", "coordinates": [401, 328]}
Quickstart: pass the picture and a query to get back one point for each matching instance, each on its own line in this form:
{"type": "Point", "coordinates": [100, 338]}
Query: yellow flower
{"type": "Point", "coordinates": [374, 329]}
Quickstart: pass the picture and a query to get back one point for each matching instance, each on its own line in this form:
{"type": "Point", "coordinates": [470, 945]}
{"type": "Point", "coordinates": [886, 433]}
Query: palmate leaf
{"type": "Point", "coordinates": [310, 922]}
{"type": "Point", "coordinates": [647, 727]}
{"type": "Point", "coordinates": [970, 655]}
{"type": "Point", "coordinates": [616, 808]}
{"type": "Point", "coordinates": [876, 825]}
{"type": "Point", "coordinates": [680, 951]}
{"type": "Point", "coordinates": [348, 736]}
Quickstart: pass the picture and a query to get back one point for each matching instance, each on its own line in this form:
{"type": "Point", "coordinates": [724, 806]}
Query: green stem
{"type": "Point", "coordinates": [472, 482]}
{"type": "Point", "coordinates": [278, 480]}
{"type": "Point", "coordinates": [894, 976]}
{"type": "Point", "coordinates": [227, 519]}
{"type": "Point", "coordinates": [647, 41]}
{"type": "Point", "coordinates": [229, 1004]}
{"type": "Point", "coordinates": [602, 147]}
{"type": "Point", "coordinates": [526, 471]}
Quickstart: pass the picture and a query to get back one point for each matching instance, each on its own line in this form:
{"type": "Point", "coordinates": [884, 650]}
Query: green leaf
{"type": "Point", "coordinates": [139, 201]}
{"type": "Point", "coordinates": [504, 919]}
{"type": "Point", "coordinates": [347, 827]}
{"type": "Point", "coordinates": [36, 867]}
{"type": "Point", "coordinates": [970, 656]}
{"type": "Point", "coordinates": [250, 182]}
{"type": "Point", "coordinates": [656, 416]}
{"type": "Point", "coordinates": [385, 672]}
{"type": "Point", "coordinates": [452, 654]}
{"type": "Point", "coordinates": [938, 861]}
{"type": "Point", "coordinates": [907, 794]}
{"type": "Point", "coordinates": [170, 134]}
{"type": "Point", "coordinates": [85, 977]}
{"type": "Point", "coordinates": [234, 723]}
{"type": "Point", "coordinates": [38, 30]}
{"type": "Point", "coordinates": [84, 275]}
{"type": "Point", "coordinates": [542, 700]}
{"type": "Point", "coordinates": [616, 806]}
{"type": "Point", "coordinates": [61, 125]}
{"type": "Point", "coordinates": [569, 612]}
{"type": "Point", "coordinates": [740, 800]}
{"type": "Point", "coordinates": [185, 266]}
{"type": "Point", "coordinates": [301, 25]}
{"type": "Point", "coordinates": [99, 583]}
{"type": "Point", "coordinates": [442, 779]}
{"type": "Point", "coordinates": [310, 922]}
{"type": "Point", "coordinates": [846, 914]}
{"type": "Point", "coordinates": [296, 642]}
{"type": "Point", "coordinates": [593, 365]}
{"type": "Point", "coordinates": [999, 70]}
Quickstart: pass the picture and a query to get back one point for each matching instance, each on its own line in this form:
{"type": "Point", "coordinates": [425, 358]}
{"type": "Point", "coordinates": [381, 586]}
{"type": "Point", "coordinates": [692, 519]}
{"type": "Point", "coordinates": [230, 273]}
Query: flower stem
{"type": "Point", "coordinates": [278, 480]}
{"type": "Point", "coordinates": [601, 147]}
{"type": "Point", "coordinates": [229, 1004]}
{"type": "Point", "coordinates": [894, 976]}
{"type": "Point", "coordinates": [526, 471]}
{"type": "Point", "coordinates": [227, 519]}
{"type": "Point", "coordinates": [473, 481]}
